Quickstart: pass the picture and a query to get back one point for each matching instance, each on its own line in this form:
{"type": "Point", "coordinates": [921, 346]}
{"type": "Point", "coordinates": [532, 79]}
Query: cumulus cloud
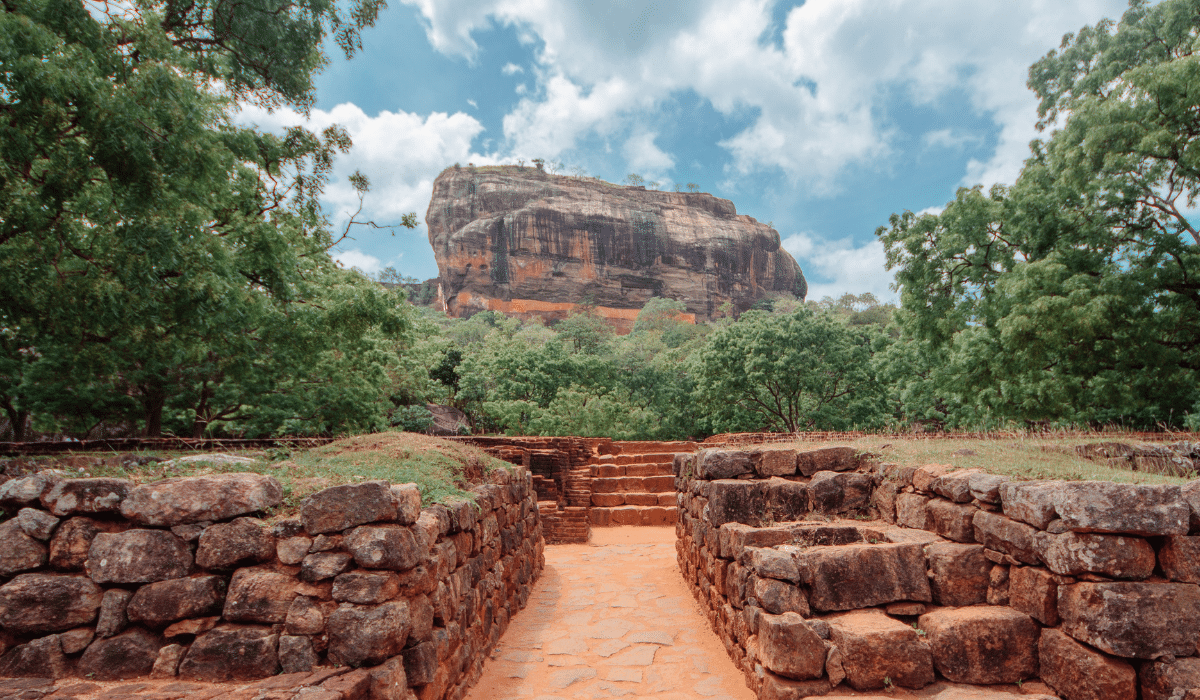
{"type": "Point", "coordinates": [836, 267]}
{"type": "Point", "coordinates": [357, 259]}
{"type": "Point", "coordinates": [401, 154]}
{"type": "Point", "coordinates": [818, 95]}
{"type": "Point", "coordinates": [643, 155]}
{"type": "Point", "coordinates": [511, 69]}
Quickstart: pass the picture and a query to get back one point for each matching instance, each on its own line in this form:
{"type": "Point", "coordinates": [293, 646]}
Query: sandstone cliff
{"type": "Point", "coordinates": [524, 242]}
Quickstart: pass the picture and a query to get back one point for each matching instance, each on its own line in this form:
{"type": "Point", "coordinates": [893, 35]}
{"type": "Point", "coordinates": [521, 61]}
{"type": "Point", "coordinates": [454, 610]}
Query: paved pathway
{"type": "Point", "coordinates": [611, 618]}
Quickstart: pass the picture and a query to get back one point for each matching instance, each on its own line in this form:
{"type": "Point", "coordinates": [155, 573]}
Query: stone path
{"type": "Point", "coordinates": [611, 618]}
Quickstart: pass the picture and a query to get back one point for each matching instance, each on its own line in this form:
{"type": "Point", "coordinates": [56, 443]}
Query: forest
{"type": "Point", "coordinates": [166, 271]}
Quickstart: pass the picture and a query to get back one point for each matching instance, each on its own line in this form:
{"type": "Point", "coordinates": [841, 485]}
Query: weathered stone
{"type": "Point", "coordinates": [391, 547]}
{"type": "Point", "coordinates": [367, 635]}
{"type": "Point", "coordinates": [1031, 502]}
{"type": "Point", "coordinates": [520, 240]}
{"type": "Point", "coordinates": [324, 565]}
{"type": "Point", "coordinates": [786, 500]}
{"type": "Point", "coordinates": [72, 540]}
{"type": "Point", "coordinates": [875, 647]}
{"type": "Point", "coordinates": [76, 640]}
{"type": "Point", "coordinates": [296, 654]}
{"type": "Point", "coordinates": [736, 501]}
{"type": "Point", "coordinates": [1079, 672]}
{"type": "Point", "coordinates": [38, 524]}
{"type": "Point", "coordinates": [292, 550]}
{"type": "Point", "coordinates": [97, 495]}
{"type": "Point", "coordinates": [18, 551]}
{"type": "Point", "coordinates": [827, 459]}
{"type": "Point", "coordinates": [364, 588]}
{"type": "Point", "coordinates": [342, 507]}
{"type": "Point", "coordinates": [158, 604]}
{"type": "Point", "coordinates": [924, 476]}
{"type": "Point", "coordinates": [833, 492]}
{"type": "Point", "coordinates": [1135, 509]}
{"type": "Point", "coordinates": [1180, 558]}
{"type": "Point", "coordinates": [227, 545]}
{"type": "Point", "coordinates": [112, 619]}
{"type": "Point", "coordinates": [230, 653]}
{"type": "Point", "coordinates": [420, 663]}
{"type": "Point", "coordinates": [998, 586]}
{"type": "Point", "coordinates": [305, 617]}
{"type": "Point", "coordinates": [955, 486]}
{"type": "Point", "coordinates": [27, 490]}
{"type": "Point", "coordinates": [127, 655]}
{"type": "Point", "coordinates": [40, 603]}
{"type": "Point", "coordinates": [192, 628]}
{"type": "Point", "coordinates": [986, 487]}
{"type": "Point", "coordinates": [905, 609]}
{"type": "Point", "coordinates": [722, 464]}
{"type": "Point", "coordinates": [1118, 556]}
{"type": "Point", "coordinates": [1005, 535]}
{"type": "Point", "coordinates": [778, 597]}
{"type": "Point", "coordinates": [773, 462]}
{"type": "Point", "coordinates": [1133, 620]}
{"type": "Point", "coordinates": [40, 658]}
{"type": "Point", "coordinates": [983, 644]}
{"type": "Point", "coordinates": [953, 521]}
{"type": "Point", "coordinates": [194, 499]}
{"type": "Point", "coordinates": [1191, 495]}
{"type": "Point", "coordinates": [138, 556]}
{"type": "Point", "coordinates": [408, 503]}
{"type": "Point", "coordinates": [776, 687]}
{"type": "Point", "coordinates": [863, 575]}
{"type": "Point", "coordinates": [775, 562]}
{"type": "Point", "coordinates": [1034, 592]}
{"type": "Point", "coordinates": [912, 510]}
{"type": "Point", "coordinates": [420, 615]}
{"type": "Point", "coordinates": [167, 662]}
{"type": "Point", "coordinates": [959, 574]}
{"type": "Point", "coordinates": [1170, 681]}
{"type": "Point", "coordinates": [883, 499]}
{"type": "Point", "coordinates": [190, 532]}
{"type": "Point", "coordinates": [259, 595]}
{"type": "Point", "coordinates": [789, 647]}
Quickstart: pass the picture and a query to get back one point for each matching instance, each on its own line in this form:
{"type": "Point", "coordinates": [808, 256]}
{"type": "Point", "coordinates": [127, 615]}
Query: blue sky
{"type": "Point", "coordinates": [823, 117]}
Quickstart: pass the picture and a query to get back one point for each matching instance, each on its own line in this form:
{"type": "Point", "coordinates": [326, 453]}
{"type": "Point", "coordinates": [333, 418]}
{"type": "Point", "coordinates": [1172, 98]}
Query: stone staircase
{"type": "Point", "coordinates": [633, 488]}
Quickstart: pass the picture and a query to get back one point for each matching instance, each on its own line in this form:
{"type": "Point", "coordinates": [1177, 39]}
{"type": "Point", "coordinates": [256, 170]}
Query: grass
{"type": "Point", "coordinates": [444, 470]}
{"type": "Point", "coordinates": [1018, 458]}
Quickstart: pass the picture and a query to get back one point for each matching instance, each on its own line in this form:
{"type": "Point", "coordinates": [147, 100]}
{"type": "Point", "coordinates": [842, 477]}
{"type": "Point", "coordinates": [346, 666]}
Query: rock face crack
{"type": "Point", "coordinates": [527, 243]}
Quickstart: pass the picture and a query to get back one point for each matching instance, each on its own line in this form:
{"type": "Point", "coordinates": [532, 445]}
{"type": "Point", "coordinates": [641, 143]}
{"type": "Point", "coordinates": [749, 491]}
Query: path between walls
{"type": "Point", "coordinates": [611, 618]}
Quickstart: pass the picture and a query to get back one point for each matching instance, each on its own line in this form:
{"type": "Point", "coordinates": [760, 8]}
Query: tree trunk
{"type": "Point", "coordinates": [16, 421]}
{"type": "Point", "coordinates": [153, 399]}
{"type": "Point", "coordinates": [201, 413]}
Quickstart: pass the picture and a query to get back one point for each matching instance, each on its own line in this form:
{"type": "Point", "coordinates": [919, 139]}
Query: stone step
{"type": "Point", "coordinates": [634, 515]}
{"type": "Point", "coordinates": [633, 499]}
{"type": "Point", "coordinates": [666, 458]}
{"type": "Point", "coordinates": [645, 469]}
{"type": "Point", "coordinates": [634, 484]}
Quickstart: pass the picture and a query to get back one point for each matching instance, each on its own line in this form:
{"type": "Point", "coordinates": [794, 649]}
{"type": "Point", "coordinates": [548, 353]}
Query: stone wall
{"type": "Point", "coordinates": [366, 592]}
{"type": "Point", "coordinates": [822, 567]}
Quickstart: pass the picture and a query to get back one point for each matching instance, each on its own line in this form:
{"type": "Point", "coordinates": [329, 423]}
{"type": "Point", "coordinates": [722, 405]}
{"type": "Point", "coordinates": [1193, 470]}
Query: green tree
{"type": "Point", "coordinates": [633, 179]}
{"type": "Point", "coordinates": [787, 373]}
{"type": "Point", "coordinates": [1074, 295]}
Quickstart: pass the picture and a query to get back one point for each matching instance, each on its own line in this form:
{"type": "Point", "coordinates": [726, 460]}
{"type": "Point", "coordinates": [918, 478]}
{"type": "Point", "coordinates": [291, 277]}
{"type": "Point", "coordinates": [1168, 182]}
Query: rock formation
{"type": "Point", "coordinates": [524, 242]}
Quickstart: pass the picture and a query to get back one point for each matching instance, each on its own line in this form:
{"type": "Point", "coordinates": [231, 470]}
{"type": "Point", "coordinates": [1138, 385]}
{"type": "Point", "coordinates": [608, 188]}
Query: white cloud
{"type": "Point", "coordinates": [473, 103]}
{"type": "Point", "coordinates": [355, 258]}
{"type": "Point", "coordinates": [947, 138]}
{"type": "Point", "coordinates": [819, 98]}
{"type": "Point", "coordinates": [644, 156]}
{"type": "Point", "coordinates": [400, 153]}
{"type": "Point", "coordinates": [935, 210]}
{"type": "Point", "coordinates": [834, 268]}
{"type": "Point", "coordinates": [511, 69]}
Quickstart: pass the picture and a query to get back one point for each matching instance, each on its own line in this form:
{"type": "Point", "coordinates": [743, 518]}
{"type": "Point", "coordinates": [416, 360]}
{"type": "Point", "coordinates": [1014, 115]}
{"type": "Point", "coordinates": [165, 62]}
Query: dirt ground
{"type": "Point", "coordinates": [611, 618]}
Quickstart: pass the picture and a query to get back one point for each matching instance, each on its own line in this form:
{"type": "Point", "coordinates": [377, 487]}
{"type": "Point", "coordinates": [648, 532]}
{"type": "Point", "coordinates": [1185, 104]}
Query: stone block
{"type": "Point", "coordinates": [1079, 672]}
{"type": "Point", "coordinates": [196, 499]}
{"type": "Point", "coordinates": [41, 603]}
{"type": "Point", "coordinates": [342, 507]}
{"type": "Point", "coordinates": [39, 658]}
{"type": "Point", "coordinates": [983, 644]}
{"type": "Point", "coordinates": [138, 556]}
{"type": "Point", "coordinates": [827, 459]}
{"type": "Point", "coordinates": [127, 655]}
{"type": "Point", "coordinates": [259, 595]}
{"type": "Point", "coordinates": [227, 545]}
{"type": "Point", "coordinates": [27, 490]}
{"type": "Point", "coordinates": [722, 464]}
{"type": "Point", "coordinates": [1133, 620]}
{"type": "Point", "coordinates": [232, 653]}
{"type": "Point", "coordinates": [834, 492]}
{"type": "Point", "coordinates": [789, 647]}
{"type": "Point", "coordinates": [1034, 591]}
{"type": "Point", "coordinates": [1003, 534]}
{"type": "Point", "coordinates": [875, 647]}
{"type": "Point", "coordinates": [166, 664]}
{"type": "Point", "coordinates": [324, 565]}
{"type": "Point", "coordinates": [392, 547]}
{"type": "Point", "coordinates": [955, 486]}
{"type": "Point", "coordinates": [408, 503]}
{"type": "Point", "coordinates": [1170, 680]}
{"type": "Point", "coordinates": [959, 574]}
{"type": "Point", "coordinates": [912, 511]}
{"type": "Point", "coordinates": [1118, 556]}
{"type": "Point", "coordinates": [856, 576]}
{"type": "Point", "coordinates": [1031, 502]}
{"type": "Point", "coordinates": [779, 597]}
{"type": "Point", "coordinates": [954, 521]}
{"type": "Point", "coordinates": [18, 551]}
{"type": "Point", "coordinates": [608, 499]}
{"type": "Point", "coordinates": [776, 687]}
{"type": "Point", "coordinates": [365, 588]}
{"type": "Point", "coordinates": [1180, 558]}
{"type": "Point", "coordinates": [38, 524]}
{"type": "Point", "coordinates": [923, 477]}
{"type": "Point", "coordinates": [736, 501]}
{"type": "Point", "coordinates": [292, 550]}
{"type": "Point", "coordinates": [1136, 509]}
{"type": "Point", "coordinates": [112, 619]}
{"type": "Point", "coordinates": [76, 496]}
{"type": "Point", "coordinates": [986, 487]}
{"type": "Point", "coordinates": [158, 604]}
{"type": "Point", "coordinates": [71, 542]}
{"type": "Point", "coordinates": [775, 562]}
{"type": "Point", "coordinates": [296, 654]}
{"type": "Point", "coordinates": [786, 500]}
{"type": "Point", "coordinates": [420, 663]}
{"type": "Point", "coordinates": [304, 616]}
{"type": "Point", "coordinates": [367, 635]}
{"type": "Point", "coordinates": [773, 462]}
